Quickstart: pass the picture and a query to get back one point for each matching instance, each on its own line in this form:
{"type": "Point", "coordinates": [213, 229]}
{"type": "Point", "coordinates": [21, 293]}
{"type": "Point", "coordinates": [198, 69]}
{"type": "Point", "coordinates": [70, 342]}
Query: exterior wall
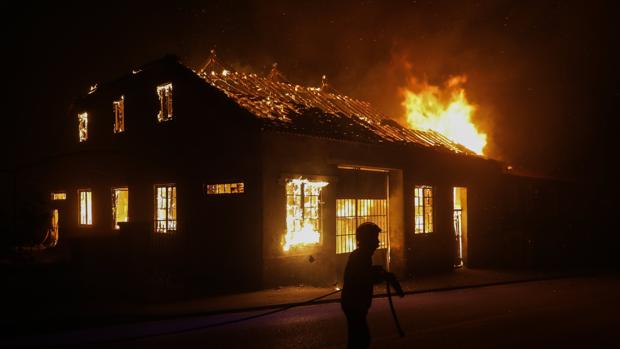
{"type": "Point", "coordinates": [208, 141]}
{"type": "Point", "coordinates": [293, 156]}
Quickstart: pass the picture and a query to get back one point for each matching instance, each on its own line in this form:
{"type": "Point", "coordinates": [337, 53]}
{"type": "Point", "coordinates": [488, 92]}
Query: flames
{"type": "Point", "coordinates": [445, 110]}
{"type": "Point", "coordinates": [303, 224]}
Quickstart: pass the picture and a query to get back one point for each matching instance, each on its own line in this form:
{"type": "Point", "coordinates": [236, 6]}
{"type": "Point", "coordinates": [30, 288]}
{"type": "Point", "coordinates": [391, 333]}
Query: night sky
{"type": "Point", "coordinates": [544, 74]}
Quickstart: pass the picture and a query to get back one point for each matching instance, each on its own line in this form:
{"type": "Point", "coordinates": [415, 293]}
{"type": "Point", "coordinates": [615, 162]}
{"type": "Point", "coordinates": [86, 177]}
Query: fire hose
{"type": "Point", "coordinates": [390, 279]}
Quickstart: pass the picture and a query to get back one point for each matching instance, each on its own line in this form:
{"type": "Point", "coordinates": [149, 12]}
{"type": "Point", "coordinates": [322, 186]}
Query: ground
{"type": "Point", "coordinates": [568, 312]}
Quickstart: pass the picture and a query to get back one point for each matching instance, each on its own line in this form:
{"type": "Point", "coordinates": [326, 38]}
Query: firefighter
{"type": "Point", "coordinates": [359, 277]}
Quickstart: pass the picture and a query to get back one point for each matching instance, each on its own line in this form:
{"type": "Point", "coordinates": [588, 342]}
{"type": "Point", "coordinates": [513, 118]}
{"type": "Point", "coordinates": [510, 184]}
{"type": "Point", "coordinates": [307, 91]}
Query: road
{"type": "Point", "coordinates": [575, 312]}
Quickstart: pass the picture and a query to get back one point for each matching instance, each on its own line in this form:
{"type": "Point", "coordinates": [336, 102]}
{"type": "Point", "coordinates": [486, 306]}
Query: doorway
{"type": "Point", "coordinates": [460, 226]}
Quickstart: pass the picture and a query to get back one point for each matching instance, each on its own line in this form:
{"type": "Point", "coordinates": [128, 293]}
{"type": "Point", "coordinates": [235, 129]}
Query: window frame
{"type": "Point", "coordinates": [118, 106]}
{"type": "Point", "coordinates": [114, 221]}
{"type": "Point", "coordinates": [164, 93]}
{"type": "Point", "coordinates": [83, 126]}
{"type": "Point", "coordinates": [88, 214]}
{"type": "Point", "coordinates": [167, 221]}
{"type": "Point", "coordinates": [425, 216]}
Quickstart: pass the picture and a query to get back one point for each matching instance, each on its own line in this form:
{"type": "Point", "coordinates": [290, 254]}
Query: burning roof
{"type": "Point", "coordinates": [317, 110]}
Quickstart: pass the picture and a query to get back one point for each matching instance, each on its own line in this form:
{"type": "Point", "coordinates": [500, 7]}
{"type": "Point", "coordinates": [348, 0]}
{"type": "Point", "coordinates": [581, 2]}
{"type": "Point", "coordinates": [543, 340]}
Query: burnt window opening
{"type": "Point", "coordinates": [83, 126]}
{"type": "Point", "coordinates": [423, 207]}
{"type": "Point", "coordinates": [226, 188]}
{"type": "Point", "coordinates": [350, 213]}
{"type": "Point", "coordinates": [119, 115]}
{"type": "Point", "coordinates": [164, 92]}
{"type": "Point", "coordinates": [165, 208]}
{"type": "Point", "coordinates": [120, 206]}
{"type": "Point", "coordinates": [303, 213]}
{"type": "Point", "coordinates": [59, 196]}
{"type": "Point", "coordinates": [86, 206]}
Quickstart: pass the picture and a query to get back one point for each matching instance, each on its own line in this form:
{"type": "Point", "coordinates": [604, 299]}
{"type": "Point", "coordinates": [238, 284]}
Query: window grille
{"type": "Point", "coordinates": [166, 208]}
{"type": "Point", "coordinates": [86, 206]}
{"type": "Point", "coordinates": [59, 196]}
{"type": "Point", "coordinates": [350, 213]}
{"type": "Point", "coordinates": [226, 188]}
{"type": "Point", "coordinates": [303, 212]}
{"type": "Point", "coordinates": [423, 209]}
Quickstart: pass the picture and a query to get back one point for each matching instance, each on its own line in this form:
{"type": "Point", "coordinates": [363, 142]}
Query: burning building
{"type": "Point", "coordinates": [236, 180]}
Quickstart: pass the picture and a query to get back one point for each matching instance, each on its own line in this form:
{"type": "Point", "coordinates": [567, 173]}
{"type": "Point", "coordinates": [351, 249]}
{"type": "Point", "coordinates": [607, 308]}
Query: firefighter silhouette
{"type": "Point", "coordinates": [359, 277]}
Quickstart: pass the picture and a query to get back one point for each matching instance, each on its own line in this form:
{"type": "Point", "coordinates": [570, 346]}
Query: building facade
{"type": "Point", "coordinates": [226, 181]}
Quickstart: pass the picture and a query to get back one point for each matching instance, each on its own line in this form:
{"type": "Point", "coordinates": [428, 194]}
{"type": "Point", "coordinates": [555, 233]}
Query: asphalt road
{"type": "Point", "coordinates": [563, 313]}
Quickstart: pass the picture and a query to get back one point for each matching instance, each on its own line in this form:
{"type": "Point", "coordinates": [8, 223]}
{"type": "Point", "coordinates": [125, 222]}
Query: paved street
{"type": "Point", "coordinates": [576, 312]}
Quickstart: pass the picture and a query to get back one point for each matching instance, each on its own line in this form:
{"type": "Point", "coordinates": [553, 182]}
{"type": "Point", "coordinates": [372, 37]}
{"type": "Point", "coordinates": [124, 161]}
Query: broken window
{"type": "Point", "coordinates": [86, 206]}
{"type": "Point", "coordinates": [226, 188]}
{"type": "Point", "coordinates": [350, 213]}
{"type": "Point", "coordinates": [59, 196]}
{"type": "Point", "coordinates": [423, 209]}
{"type": "Point", "coordinates": [83, 126]}
{"type": "Point", "coordinates": [165, 102]}
{"type": "Point", "coordinates": [119, 115]}
{"type": "Point", "coordinates": [120, 206]}
{"type": "Point", "coordinates": [303, 212]}
{"type": "Point", "coordinates": [165, 208]}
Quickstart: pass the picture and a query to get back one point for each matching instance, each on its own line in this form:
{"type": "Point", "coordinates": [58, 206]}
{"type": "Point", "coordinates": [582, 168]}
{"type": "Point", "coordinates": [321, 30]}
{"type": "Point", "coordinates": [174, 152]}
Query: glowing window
{"type": "Point", "coordinates": [165, 208]}
{"type": "Point", "coordinates": [226, 188]}
{"type": "Point", "coordinates": [59, 196]}
{"type": "Point", "coordinates": [350, 213]}
{"type": "Point", "coordinates": [423, 209]}
{"type": "Point", "coordinates": [83, 126]}
{"type": "Point", "coordinates": [119, 115]}
{"type": "Point", "coordinates": [120, 206]}
{"type": "Point", "coordinates": [303, 212]}
{"type": "Point", "coordinates": [165, 102]}
{"type": "Point", "coordinates": [86, 206]}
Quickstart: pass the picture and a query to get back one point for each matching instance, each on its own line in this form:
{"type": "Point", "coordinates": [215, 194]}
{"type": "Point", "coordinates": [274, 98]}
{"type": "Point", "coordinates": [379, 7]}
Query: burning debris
{"type": "Point", "coordinates": [286, 105]}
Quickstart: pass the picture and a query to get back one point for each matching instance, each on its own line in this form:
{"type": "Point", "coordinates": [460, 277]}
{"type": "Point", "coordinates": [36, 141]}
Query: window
{"type": "Point", "coordinates": [119, 115]}
{"type": "Point", "coordinates": [350, 213]}
{"type": "Point", "coordinates": [227, 188]}
{"type": "Point", "coordinates": [166, 208]}
{"type": "Point", "coordinates": [165, 102]}
{"type": "Point", "coordinates": [120, 206]}
{"type": "Point", "coordinates": [59, 196]}
{"type": "Point", "coordinates": [423, 209]}
{"type": "Point", "coordinates": [83, 126]}
{"type": "Point", "coordinates": [303, 212]}
{"type": "Point", "coordinates": [86, 206]}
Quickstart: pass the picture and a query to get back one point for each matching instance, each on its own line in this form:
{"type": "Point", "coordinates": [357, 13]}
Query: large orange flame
{"type": "Point", "coordinates": [445, 110]}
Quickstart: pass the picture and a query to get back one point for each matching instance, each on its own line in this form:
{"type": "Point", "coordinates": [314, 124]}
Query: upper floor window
{"type": "Point", "coordinates": [119, 115]}
{"type": "Point", "coordinates": [423, 209]}
{"type": "Point", "coordinates": [165, 102]}
{"type": "Point", "coordinates": [83, 126]}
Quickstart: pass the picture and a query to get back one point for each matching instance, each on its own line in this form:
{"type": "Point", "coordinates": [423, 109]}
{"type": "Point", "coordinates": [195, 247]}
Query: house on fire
{"type": "Point", "coordinates": [236, 179]}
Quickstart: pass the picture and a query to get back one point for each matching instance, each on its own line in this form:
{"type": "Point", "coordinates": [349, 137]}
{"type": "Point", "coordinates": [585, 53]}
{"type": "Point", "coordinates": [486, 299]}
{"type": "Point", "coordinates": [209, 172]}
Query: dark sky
{"type": "Point", "coordinates": [543, 73]}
